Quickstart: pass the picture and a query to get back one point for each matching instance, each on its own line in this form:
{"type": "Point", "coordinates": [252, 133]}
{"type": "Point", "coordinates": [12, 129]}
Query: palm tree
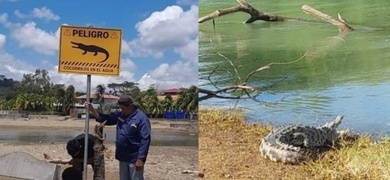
{"type": "Point", "coordinates": [168, 103]}
{"type": "Point", "coordinates": [192, 98]}
{"type": "Point", "coordinates": [22, 101]}
{"type": "Point", "coordinates": [2, 104]}
{"type": "Point", "coordinates": [151, 103]}
{"type": "Point", "coordinates": [188, 101]}
{"type": "Point", "coordinates": [7, 105]}
{"type": "Point", "coordinates": [49, 103]}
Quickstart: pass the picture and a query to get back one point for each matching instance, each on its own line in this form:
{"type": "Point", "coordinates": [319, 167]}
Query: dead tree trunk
{"type": "Point", "coordinates": [98, 147]}
{"type": "Point", "coordinates": [340, 22]}
{"type": "Point", "coordinates": [244, 6]}
{"type": "Point", "coordinates": [247, 8]}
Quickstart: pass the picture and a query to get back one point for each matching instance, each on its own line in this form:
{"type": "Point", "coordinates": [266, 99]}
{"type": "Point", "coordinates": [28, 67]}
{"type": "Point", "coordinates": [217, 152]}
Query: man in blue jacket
{"type": "Point", "coordinates": [132, 137]}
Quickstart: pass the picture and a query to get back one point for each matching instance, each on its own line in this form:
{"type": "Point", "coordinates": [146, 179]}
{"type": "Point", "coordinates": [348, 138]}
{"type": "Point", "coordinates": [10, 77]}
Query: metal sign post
{"type": "Point", "coordinates": [89, 50]}
{"type": "Point", "coordinates": [87, 129]}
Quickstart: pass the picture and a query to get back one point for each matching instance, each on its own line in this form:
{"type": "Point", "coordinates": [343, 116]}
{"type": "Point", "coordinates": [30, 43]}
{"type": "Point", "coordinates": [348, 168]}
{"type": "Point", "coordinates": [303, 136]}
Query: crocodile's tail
{"type": "Point", "coordinates": [107, 56]}
{"type": "Point", "coordinates": [335, 123]}
{"type": "Point", "coordinates": [287, 154]}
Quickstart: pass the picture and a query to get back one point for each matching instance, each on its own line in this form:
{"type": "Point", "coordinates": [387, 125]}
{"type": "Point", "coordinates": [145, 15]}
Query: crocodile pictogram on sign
{"type": "Point", "coordinates": [91, 48]}
{"type": "Point", "coordinates": [87, 50]}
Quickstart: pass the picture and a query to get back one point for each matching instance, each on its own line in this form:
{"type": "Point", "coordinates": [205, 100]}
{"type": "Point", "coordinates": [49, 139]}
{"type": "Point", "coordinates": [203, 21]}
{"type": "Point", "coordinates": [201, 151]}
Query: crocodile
{"type": "Point", "coordinates": [91, 48]}
{"type": "Point", "coordinates": [294, 144]}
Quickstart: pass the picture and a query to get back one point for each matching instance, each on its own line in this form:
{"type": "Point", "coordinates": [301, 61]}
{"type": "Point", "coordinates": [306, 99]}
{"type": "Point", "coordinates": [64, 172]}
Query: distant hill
{"type": "Point", "coordinates": [6, 87]}
{"type": "Point", "coordinates": [7, 82]}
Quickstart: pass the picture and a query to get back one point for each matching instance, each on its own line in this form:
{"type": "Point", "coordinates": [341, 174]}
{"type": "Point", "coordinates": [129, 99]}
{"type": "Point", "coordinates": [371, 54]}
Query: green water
{"type": "Point", "coordinates": [328, 73]}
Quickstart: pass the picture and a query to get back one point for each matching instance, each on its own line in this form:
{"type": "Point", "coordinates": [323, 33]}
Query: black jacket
{"type": "Point", "coordinates": [81, 138]}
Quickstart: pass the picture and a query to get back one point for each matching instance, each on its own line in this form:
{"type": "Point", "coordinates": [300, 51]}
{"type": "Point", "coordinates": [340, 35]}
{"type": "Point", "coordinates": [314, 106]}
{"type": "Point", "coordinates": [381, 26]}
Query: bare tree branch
{"type": "Point", "coordinates": [242, 87]}
{"type": "Point", "coordinates": [255, 14]}
{"type": "Point", "coordinates": [244, 6]}
{"type": "Point", "coordinates": [340, 22]}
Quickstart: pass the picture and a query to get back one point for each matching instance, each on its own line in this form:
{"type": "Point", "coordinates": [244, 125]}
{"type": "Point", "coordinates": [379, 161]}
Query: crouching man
{"type": "Point", "coordinates": [75, 148]}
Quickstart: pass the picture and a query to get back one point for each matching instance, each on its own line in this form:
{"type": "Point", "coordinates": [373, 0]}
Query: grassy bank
{"type": "Point", "coordinates": [229, 149]}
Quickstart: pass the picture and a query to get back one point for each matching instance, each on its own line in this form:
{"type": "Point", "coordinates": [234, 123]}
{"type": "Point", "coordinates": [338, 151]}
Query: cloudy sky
{"type": "Point", "coordinates": [159, 39]}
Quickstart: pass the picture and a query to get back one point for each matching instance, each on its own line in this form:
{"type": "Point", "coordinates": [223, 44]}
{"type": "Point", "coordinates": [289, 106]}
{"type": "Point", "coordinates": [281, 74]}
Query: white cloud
{"type": "Point", "coordinates": [40, 13]}
{"type": "Point", "coordinates": [127, 65]}
{"type": "Point", "coordinates": [12, 67]}
{"type": "Point", "coordinates": [3, 18]}
{"type": "Point", "coordinates": [189, 51]}
{"type": "Point", "coordinates": [182, 73]}
{"type": "Point", "coordinates": [186, 2]}
{"type": "Point", "coordinates": [162, 30]}
{"type": "Point", "coordinates": [4, 21]}
{"type": "Point", "coordinates": [44, 13]}
{"type": "Point", "coordinates": [41, 41]}
{"type": "Point", "coordinates": [174, 29]}
{"type": "Point", "coordinates": [28, 35]}
{"type": "Point", "coordinates": [125, 48]}
{"type": "Point", "coordinates": [2, 42]}
{"type": "Point", "coordinates": [179, 74]}
{"type": "Point", "coordinates": [18, 72]}
{"type": "Point", "coordinates": [19, 14]}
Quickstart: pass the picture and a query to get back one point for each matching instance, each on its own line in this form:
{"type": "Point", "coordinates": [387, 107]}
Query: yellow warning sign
{"type": "Point", "coordinates": [88, 50]}
{"type": "Point", "coordinates": [114, 36]}
{"type": "Point", "coordinates": [67, 32]}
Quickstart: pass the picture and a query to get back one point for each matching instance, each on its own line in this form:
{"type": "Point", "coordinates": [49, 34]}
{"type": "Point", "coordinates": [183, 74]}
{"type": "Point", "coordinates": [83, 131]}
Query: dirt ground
{"type": "Point", "coordinates": [164, 162]}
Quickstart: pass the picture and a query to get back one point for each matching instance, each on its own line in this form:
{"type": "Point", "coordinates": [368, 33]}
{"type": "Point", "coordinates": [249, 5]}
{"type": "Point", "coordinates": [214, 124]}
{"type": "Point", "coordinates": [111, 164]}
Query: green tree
{"type": "Point", "coordinates": [126, 87]}
{"type": "Point", "coordinates": [58, 92]}
{"type": "Point", "coordinates": [115, 87]}
{"type": "Point", "coordinates": [100, 91]}
{"type": "Point", "coordinates": [37, 83]}
{"type": "Point", "coordinates": [6, 89]}
{"type": "Point", "coordinates": [70, 99]}
{"type": "Point", "coordinates": [7, 104]}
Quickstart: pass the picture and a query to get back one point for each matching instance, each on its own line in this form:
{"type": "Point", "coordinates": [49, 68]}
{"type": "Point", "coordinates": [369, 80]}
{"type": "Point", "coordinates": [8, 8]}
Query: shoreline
{"type": "Point", "coordinates": [60, 123]}
{"type": "Point", "coordinates": [164, 162]}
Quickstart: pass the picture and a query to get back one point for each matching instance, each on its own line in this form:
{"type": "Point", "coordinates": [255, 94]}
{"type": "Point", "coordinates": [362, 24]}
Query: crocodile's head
{"type": "Point", "coordinates": [76, 45]}
{"type": "Point", "coordinates": [333, 124]}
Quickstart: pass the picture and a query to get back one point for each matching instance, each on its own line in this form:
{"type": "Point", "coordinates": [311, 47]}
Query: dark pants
{"type": "Point", "coordinates": [80, 166]}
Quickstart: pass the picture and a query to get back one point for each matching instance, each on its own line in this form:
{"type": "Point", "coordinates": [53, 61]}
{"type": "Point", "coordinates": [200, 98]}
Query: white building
{"type": "Point", "coordinates": [80, 108]}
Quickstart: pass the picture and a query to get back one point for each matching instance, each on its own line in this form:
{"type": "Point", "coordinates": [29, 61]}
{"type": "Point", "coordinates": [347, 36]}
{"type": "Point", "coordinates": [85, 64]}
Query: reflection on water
{"type": "Point", "coordinates": [347, 74]}
{"type": "Point", "coordinates": [158, 138]}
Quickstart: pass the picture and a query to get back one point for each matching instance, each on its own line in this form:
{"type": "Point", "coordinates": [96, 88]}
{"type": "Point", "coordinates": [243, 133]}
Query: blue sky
{"type": "Point", "coordinates": [159, 39]}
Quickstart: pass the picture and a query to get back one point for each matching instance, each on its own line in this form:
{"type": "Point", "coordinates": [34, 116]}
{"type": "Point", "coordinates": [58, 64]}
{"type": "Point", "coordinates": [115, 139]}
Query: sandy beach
{"type": "Point", "coordinates": [164, 162]}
